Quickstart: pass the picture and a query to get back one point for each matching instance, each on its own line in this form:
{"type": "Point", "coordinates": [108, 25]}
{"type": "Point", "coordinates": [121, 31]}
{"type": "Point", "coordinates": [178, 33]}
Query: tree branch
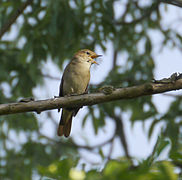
{"type": "Point", "coordinates": [115, 55]}
{"type": "Point", "coordinates": [50, 77]}
{"type": "Point", "coordinates": [120, 131]}
{"type": "Point", "coordinates": [13, 18]}
{"type": "Point", "coordinates": [177, 3]}
{"type": "Point", "coordinates": [165, 85]}
{"type": "Point", "coordinates": [149, 11]}
{"type": "Point", "coordinates": [146, 14]}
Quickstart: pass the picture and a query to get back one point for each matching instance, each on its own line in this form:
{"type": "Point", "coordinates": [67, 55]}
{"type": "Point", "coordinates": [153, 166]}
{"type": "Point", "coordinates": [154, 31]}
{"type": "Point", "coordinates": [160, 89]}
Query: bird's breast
{"type": "Point", "coordinates": [76, 79]}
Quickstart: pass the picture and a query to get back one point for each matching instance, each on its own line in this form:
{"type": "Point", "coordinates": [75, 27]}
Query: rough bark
{"type": "Point", "coordinates": [157, 87]}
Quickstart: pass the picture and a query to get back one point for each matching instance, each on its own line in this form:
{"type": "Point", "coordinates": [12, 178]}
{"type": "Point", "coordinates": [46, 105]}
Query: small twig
{"type": "Point", "coordinates": [121, 133]}
{"type": "Point", "coordinates": [144, 16]}
{"type": "Point", "coordinates": [49, 115]}
{"type": "Point", "coordinates": [177, 3]}
{"type": "Point", "coordinates": [90, 159]}
{"type": "Point", "coordinates": [115, 55]}
{"type": "Point", "coordinates": [50, 77]}
{"type": "Point", "coordinates": [97, 145]}
{"type": "Point", "coordinates": [86, 147]}
{"type": "Point", "coordinates": [173, 95]}
{"type": "Point", "coordinates": [110, 150]}
{"type": "Point", "coordinates": [13, 18]}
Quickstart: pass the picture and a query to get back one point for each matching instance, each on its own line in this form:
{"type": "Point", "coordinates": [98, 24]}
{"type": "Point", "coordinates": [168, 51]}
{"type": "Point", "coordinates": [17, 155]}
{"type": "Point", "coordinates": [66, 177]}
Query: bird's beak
{"type": "Point", "coordinates": [93, 57]}
{"type": "Point", "coordinates": [94, 62]}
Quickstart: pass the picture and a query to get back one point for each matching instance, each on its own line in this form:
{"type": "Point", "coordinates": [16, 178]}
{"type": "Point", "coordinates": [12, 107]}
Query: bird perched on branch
{"type": "Point", "coordinates": [75, 81]}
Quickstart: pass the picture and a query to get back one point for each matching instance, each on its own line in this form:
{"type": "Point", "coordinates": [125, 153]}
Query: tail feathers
{"type": "Point", "coordinates": [67, 128]}
{"type": "Point", "coordinates": [60, 130]}
{"type": "Point", "coordinates": [65, 123]}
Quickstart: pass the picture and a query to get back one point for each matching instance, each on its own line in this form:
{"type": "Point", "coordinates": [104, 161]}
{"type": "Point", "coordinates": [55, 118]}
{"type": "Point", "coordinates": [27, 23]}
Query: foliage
{"type": "Point", "coordinates": [55, 30]}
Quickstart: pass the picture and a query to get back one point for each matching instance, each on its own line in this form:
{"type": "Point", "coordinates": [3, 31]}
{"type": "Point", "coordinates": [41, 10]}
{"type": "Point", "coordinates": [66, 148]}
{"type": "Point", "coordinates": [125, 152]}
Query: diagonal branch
{"type": "Point", "coordinates": [146, 14]}
{"type": "Point", "coordinates": [165, 85]}
{"type": "Point", "coordinates": [177, 3]}
{"type": "Point", "coordinates": [13, 18]}
{"type": "Point", "coordinates": [50, 77]}
{"type": "Point", "coordinates": [120, 131]}
{"type": "Point", "coordinates": [149, 11]}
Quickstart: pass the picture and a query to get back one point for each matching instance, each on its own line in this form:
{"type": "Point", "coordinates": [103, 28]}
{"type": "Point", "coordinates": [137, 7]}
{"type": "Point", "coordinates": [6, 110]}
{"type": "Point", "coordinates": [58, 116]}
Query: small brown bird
{"type": "Point", "coordinates": [75, 81]}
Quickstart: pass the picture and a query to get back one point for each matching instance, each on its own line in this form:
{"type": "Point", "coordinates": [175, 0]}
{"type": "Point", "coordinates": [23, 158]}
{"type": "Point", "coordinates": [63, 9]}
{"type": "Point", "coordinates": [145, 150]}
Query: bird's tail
{"type": "Point", "coordinates": [65, 123]}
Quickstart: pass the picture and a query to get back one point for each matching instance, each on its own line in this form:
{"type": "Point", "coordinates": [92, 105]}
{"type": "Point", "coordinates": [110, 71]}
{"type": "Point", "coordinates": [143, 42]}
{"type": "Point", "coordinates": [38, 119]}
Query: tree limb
{"type": "Point", "coordinates": [146, 14]}
{"type": "Point", "coordinates": [120, 131]}
{"type": "Point", "coordinates": [13, 18]}
{"type": "Point", "coordinates": [149, 11]}
{"type": "Point", "coordinates": [177, 3]}
{"type": "Point", "coordinates": [94, 98]}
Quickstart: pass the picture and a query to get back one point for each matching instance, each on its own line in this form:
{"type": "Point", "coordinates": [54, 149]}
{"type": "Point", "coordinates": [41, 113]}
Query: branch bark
{"type": "Point", "coordinates": [91, 99]}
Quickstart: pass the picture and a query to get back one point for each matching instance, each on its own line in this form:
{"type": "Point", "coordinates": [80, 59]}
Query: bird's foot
{"type": "Point", "coordinates": [75, 94]}
{"type": "Point", "coordinates": [106, 89]}
{"type": "Point", "coordinates": [26, 99]}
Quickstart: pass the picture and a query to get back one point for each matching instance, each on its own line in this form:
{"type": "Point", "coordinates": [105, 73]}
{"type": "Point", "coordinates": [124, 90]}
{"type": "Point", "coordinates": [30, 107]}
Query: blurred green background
{"type": "Point", "coordinates": [39, 45]}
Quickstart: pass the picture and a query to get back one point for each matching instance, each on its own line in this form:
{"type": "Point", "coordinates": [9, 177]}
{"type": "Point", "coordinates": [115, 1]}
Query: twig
{"type": "Point", "coordinates": [145, 15]}
{"type": "Point", "coordinates": [97, 145]}
{"type": "Point", "coordinates": [70, 144]}
{"type": "Point", "coordinates": [110, 150]}
{"type": "Point", "coordinates": [177, 3]}
{"type": "Point", "coordinates": [115, 55]}
{"type": "Point", "coordinates": [120, 131]}
{"type": "Point", "coordinates": [172, 95]}
{"type": "Point", "coordinates": [50, 116]}
{"type": "Point", "coordinates": [13, 18]}
{"type": "Point", "coordinates": [50, 77]}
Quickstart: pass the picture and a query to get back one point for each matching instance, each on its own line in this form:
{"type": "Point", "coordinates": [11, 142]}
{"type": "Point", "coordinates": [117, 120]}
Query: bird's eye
{"type": "Point", "coordinates": [88, 53]}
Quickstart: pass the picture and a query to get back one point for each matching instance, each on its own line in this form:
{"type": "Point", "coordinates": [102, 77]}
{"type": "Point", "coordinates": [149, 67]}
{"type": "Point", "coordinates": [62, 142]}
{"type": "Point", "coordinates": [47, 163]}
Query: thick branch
{"type": "Point", "coordinates": [19, 11]}
{"type": "Point", "coordinates": [91, 99]}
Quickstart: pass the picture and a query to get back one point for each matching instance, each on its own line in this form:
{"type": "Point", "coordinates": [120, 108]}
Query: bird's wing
{"type": "Point", "coordinates": [77, 109]}
{"type": "Point", "coordinates": [61, 88]}
{"type": "Point", "coordinates": [65, 123]}
{"type": "Point", "coordinates": [86, 90]}
{"type": "Point", "coordinates": [62, 80]}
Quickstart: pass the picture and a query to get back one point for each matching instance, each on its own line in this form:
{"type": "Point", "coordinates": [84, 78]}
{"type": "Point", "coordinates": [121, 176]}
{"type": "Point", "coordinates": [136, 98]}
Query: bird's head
{"type": "Point", "coordinates": [86, 55]}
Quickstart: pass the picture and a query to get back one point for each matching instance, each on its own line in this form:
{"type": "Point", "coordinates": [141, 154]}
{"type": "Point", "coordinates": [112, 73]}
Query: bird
{"type": "Point", "coordinates": [75, 80]}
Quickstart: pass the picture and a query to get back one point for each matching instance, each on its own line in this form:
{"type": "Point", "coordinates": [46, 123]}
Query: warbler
{"type": "Point", "coordinates": [75, 81]}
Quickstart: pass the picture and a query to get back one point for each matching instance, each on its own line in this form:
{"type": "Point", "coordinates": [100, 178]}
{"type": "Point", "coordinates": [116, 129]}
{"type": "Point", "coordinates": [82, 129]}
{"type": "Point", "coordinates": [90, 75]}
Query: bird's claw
{"type": "Point", "coordinates": [106, 89]}
{"type": "Point", "coordinates": [29, 99]}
